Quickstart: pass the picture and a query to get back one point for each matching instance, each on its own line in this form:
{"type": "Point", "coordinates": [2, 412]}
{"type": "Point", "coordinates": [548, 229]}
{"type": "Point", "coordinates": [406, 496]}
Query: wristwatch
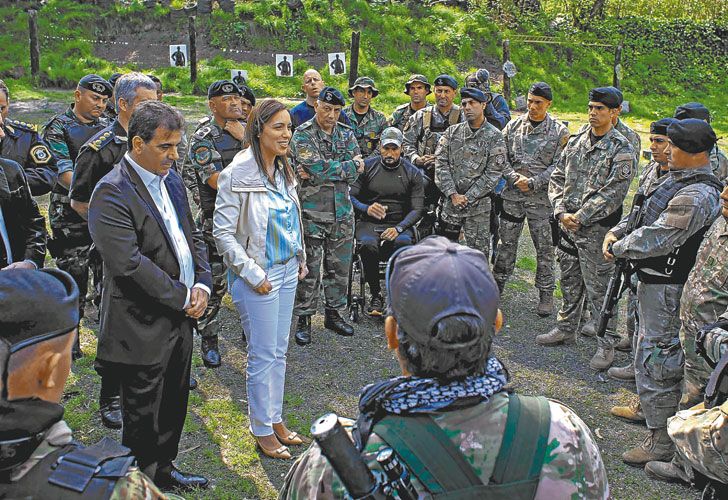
{"type": "Point", "coordinates": [398, 229]}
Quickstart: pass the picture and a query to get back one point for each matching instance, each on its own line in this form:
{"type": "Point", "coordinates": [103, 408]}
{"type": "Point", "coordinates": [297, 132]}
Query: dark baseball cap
{"type": "Point", "coordinates": [436, 279]}
{"type": "Point", "coordinates": [692, 135]}
{"type": "Point", "coordinates": [97, 84]}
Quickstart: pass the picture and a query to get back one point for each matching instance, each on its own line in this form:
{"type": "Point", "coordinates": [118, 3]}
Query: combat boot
{"type": "Point", "coordinates": [334, 322]}
{"type": "Point", "coordinates": [110, 412]}
{"type": "Point", "coordinates": [303, 330]}
{"type": "Point", "coordinates": [624, 344]}
{"type": "Point", "coordinates": [501, 286]}
{"type": "Point", "coordinates": [623, 373]}
{"type": "Point", "coordinates": [602, 359]}
{"type": "Point", "coordinates": [657, 446]}
{"type": "Point", "coordinates": [210, 352]}
{"type": "Point", "coordinates": [631, 413]}
{"type": "Point", "coordinates": [555, 337]}
{"type": "Point", "coordinates": [545, 303]}
{"type": "Point", "coordinates": [666, 471]}
{"type": "Point", "coordinates": [590, 328]}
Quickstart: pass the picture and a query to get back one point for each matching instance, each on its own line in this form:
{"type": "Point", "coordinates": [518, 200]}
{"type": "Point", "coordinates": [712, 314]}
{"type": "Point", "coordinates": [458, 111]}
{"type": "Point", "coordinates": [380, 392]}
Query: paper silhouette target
{"type": "Point", "coordinates": [239, 77]}
{"type": "Point", "coordinates": [284, 65]}
{"type": "Point", "coordinates": [178, 56]}
{"type": "Point", "coordinates": [337, 63]}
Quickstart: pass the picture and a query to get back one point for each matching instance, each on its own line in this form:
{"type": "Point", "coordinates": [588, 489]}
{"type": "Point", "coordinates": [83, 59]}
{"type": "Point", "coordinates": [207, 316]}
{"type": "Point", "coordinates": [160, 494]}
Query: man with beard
{"type": "Point", "coordinates": [367, 122]}
{"type": "Point", "coordinates": [388, 196]}
{"type": "Point", "coordinates": [417, 88]}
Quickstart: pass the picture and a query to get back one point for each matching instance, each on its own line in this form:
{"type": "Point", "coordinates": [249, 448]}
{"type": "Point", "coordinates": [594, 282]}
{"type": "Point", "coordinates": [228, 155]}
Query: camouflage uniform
{"type": "Point", "coordinates": [632, 136]}
{"type": "Point", "coordinates": [367, 129]}
{"type": "Point", "coordinates": [327, 213]}
{"type": "Point", "coordinates": [421, 135]}
{"type": "Point", "coordinates": [719, 164]}
{"type": "Point", "coordinates": [71, 243]}
{"type": "Point", "coordinates": [401, 116]}
{"type": "Point", "coordinates": [704, 301]}
{"type": "Point", "coordinates": [211, 149]}
{"type": "Point", "coordinates": [532, 152]}
{"type": "Point", "coordinates": [591, 182]}
{"type": "Point", "coordinates": [23, 144]}
{"type": "Point", "coordinates": [659, 357]}
{"type": "Point", "coordinates": [470, 163]}
{"type": "Point", "coordinates": [572, 468]}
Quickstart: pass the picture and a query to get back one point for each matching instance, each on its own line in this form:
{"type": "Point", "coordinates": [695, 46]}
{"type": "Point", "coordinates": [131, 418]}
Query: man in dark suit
{"type": "Point", "coordinates": [22, 227]}
{"type": "Point", "coordinates": [156, 284]}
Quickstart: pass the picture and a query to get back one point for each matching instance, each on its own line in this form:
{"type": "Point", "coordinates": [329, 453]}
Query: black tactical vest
{"type": "Point", "coordinates": [227, 147]}
{"type": "Point", "coordinates": [674, 267]}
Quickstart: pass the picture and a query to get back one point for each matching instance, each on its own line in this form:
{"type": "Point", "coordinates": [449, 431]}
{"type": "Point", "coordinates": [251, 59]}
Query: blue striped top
{"type": "Point", "coordinates": [283, 237]}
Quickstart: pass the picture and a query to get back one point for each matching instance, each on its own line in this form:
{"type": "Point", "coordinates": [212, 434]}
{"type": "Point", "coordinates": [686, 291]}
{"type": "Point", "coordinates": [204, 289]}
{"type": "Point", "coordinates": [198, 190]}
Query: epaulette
{"type": "Point", "coordinates": [203, 121]}
{"type": "Point", "coordinates": [305, 124]}
{"type": "Point", "coordinates": [402, 106]}
{"type": "Point", "coordinates": [18, 125]}
{"type": "Point", "coordinates": [102, 139]}
{"type": "Point", "coordinates": [349, 127]}
{"type": "Point", "coordinates": [201, 133]}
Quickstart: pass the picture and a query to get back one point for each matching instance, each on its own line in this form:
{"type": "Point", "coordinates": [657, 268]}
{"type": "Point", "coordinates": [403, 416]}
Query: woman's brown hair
{"type": "Point", "coordinates": [259, 116]}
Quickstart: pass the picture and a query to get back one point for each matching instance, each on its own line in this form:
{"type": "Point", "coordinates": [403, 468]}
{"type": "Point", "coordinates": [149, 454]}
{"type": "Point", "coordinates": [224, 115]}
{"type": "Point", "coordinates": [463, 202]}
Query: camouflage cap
{"type": "Point", "coordinates": [417, 78]}
{"type": "Point", "coordinates": [332, 96]}
{"type": "Point", "coordinates": [95, 83]}
{"type": "Point", "coordinates": [436, 279]}
{"type": "Point", "coordinates": [391, 135]}
{"type": "Point", "coordinates": [223, 87]}
{"type": "Point", "coordinates": [364, 82]}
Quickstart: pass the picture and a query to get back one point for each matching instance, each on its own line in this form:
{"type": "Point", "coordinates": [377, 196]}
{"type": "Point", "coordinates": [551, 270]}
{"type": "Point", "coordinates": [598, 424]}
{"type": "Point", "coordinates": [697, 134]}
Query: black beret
{"type": "Point", "coordinates": [113, 78]}
{"type": "Point", "coordinates": [333, 96]}
{"type": "Point", "coordinates": [692, 135]}
{"type": "Point", "coordinates": [446, 81]}
{"type": "Point", "coordinates": [692, 110]}
{"type": "Point", "coordinates": [155, 79]}
{"type": "Point", "coordinates": [609, 96]}
{"type": "Point", "coordinates": [660, 126]}
{"type": "Point", "coordinates": [473, 93]}
{"type": "Point", "coordinates": [222, 87]}
{"type": "Point", "coordinates": [36, 306]}
{"type": "Point", "coordinates": [541, 89]}
{"type": "Point", "coordinates": [248, 94]}
{"type": "Point", "coordinates": [95, 83]}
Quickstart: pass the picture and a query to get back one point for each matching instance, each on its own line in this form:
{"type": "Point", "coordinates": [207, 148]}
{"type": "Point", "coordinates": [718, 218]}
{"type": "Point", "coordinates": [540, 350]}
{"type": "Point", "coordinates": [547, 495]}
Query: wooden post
{"type": "Point", "coordinates": [34, 46]}
{"type": "Point", "coordinates": [193, 51]}
{"type": "Point", "coordinates": [354, 63]}
{"type": "Point", "coordinates": [616, 77]}
{"type": "Point", "coordinates": [506, 79]}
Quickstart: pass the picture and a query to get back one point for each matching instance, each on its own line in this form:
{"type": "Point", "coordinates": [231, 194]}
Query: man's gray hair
{"type": "Point", "coordinates": [127, 85]}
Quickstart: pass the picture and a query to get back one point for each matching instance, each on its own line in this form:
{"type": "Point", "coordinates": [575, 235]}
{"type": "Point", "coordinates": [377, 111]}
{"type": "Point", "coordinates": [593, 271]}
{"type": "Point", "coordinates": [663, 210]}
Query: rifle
{"type": "Point", "coordinates": [619, 281]}
{"type": "Point", "coordinates": [360, 482]}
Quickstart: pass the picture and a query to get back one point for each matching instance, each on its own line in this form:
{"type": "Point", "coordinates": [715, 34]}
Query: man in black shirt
{"type": "Point", "coordinates": [389, 199]}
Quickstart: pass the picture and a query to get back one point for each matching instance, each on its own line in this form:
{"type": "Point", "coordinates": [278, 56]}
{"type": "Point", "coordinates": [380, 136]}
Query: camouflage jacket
{"type": "Point", "coordinates": [647, 183]}
{"type": "Point", "coordinates": [691, 209]}
{"type": "Point", "coordinates": [532, 152]}
{"type": "Point", "coordinates": [424, 129]}
{"type": "Point", "coordinates": [401, 116]}
{"type": "Point", "coordinates": [704, 298]}
{"type": "Point", "coordinates": [23, 144]}
{"type": "Point", "coordinates": [591, 181]}
{"type": "Point", "coordinates": [328, 160]}
{"type": "Point", "coordinates": [572, 468]}
{"type": "Point", "coordinates": [471, 163]}
{"type": "Point", "coordinates": [368, 130]}
{"type": "Point", "coordinates": [719, 164]}
{"type": "Point", "coordinates": [632, 136]}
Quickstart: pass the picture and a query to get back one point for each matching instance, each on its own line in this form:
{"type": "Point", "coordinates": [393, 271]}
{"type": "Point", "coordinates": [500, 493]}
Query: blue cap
{"type": "Point", "coordinates": [446, 81]}
{"type": "Point", "coordinates": [333, 96]}
{"type": "Point", "coordinates": [97, 84]}
{"type": "Point", "coordinates": [473, 93]}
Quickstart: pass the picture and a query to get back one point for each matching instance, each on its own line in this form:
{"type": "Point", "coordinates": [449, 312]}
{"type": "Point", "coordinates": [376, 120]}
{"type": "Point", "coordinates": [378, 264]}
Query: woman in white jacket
{"type": "Point", "coordinates": [258, 232]}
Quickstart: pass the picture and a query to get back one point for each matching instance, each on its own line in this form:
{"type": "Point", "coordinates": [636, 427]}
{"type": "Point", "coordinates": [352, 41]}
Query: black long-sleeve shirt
{"type": "Point", "coordinates": [400, 189]}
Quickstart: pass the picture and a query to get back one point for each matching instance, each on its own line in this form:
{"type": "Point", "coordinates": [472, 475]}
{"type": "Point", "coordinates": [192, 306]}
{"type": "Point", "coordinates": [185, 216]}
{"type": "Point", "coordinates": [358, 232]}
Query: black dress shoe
{"type": "Point", "coordinates": [193, 383]}
{"type": "Point", "coordinates": [244, 339]}
{"type": "Point", "coordinates": [172, 478]}
{"type": "Point", "coordinates": [110, 411]}
{"type": "Point", "coordinates": [303, 330]}
{"type": "Point", "coordinates": [333, 321]}
{"type": "Point", "coordinates": [210, 352]}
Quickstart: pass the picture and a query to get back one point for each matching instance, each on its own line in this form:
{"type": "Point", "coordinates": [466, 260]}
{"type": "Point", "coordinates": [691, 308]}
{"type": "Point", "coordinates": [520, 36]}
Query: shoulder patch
{"type": "Point", "coordinates": [202, 155]}
{"type": "Point", "coordinates": [40, 154]}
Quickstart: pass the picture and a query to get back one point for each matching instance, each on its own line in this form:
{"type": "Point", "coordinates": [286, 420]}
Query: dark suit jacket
{"type": "Point", "coordinates": [23, 221]}
{"type": "Point", "coordinates": [142, 299]}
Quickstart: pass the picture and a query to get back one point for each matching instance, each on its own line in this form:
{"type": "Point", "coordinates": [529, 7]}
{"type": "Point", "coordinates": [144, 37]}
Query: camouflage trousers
{"type": "Point", "coordinates": [511, 226]}
{"type": "Point", "coordinates": [696, 372]}
{"type": "Point", "coordinates": [659, 358]}
{"type": "Point", "coordinates": [75, 261]}
{"type": "Point", "coordinates": [585, 277]}
{"type": "Point", "coordinates": [330, 244]}
{"type": "Point", "coordinates": [475, 229]}
{"type": "Point", "coordinates": [207, 325]}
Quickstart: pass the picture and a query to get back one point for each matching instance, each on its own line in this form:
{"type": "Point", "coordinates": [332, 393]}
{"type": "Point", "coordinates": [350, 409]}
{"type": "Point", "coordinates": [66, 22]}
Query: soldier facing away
{"type": "Point", "coordinates": [718, 159]}
{"type": "Point", "coordinates": [443, 317]}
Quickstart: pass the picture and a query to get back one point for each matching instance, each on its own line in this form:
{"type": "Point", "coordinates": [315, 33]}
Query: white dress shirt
{"type": "Point", "coordinates": [158, 191]}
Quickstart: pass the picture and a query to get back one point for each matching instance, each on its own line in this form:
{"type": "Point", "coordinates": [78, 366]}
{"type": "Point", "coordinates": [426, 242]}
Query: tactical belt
{"type": "Point", "coordinates": [442, 469]}
{"type": "Point", "coordinates": [566, 244]}
{"type": "Point", "coordinates": [510, 217]}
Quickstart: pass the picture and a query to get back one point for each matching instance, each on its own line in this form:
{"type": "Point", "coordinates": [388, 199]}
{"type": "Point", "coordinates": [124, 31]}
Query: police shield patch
{"type": "Point", "coordinates": [97, 87]}
{"type": "Point", "coordinates": [202, 155]}
{"type": "Point", "coordinates": [40, 154]}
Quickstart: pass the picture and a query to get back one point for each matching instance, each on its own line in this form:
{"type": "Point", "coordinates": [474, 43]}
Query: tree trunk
{"type": "Point", "coordinates": [597, 9]}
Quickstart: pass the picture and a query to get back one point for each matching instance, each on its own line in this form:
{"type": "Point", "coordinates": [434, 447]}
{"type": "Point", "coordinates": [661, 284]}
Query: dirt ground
{"type": "Point", "coordinates": [327, 376]}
